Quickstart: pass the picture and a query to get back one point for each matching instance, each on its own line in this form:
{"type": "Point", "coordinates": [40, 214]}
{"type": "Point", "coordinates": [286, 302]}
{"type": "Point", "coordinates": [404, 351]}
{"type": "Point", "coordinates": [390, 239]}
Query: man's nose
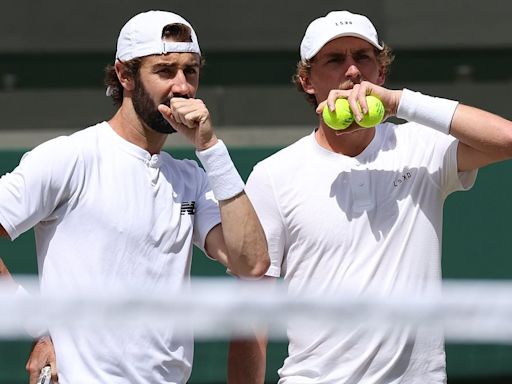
{"type": "Point", "coordinates": [180, 85]}
{"type": "Point", "coordinates": [353, 74]}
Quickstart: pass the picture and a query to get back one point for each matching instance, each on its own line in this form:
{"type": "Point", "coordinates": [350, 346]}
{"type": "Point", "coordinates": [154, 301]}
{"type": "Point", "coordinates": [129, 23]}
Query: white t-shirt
{"type": "Point", "coordinates": [106, 212]}
{"type": "Point", "coordinates": [370, 222]}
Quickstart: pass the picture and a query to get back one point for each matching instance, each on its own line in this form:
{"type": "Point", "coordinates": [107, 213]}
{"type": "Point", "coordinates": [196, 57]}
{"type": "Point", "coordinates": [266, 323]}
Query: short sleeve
{"type": "Point", "coordinates": [33, 191]}
{"type": "Point", "coordinates": [455, 180]}
{"type": "Point", "coordinates": [260, 191]}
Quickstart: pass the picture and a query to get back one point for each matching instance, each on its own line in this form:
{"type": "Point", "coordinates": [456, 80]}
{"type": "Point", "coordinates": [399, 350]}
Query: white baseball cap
{"type": "Point", "coordinates": [336, 24]}
{"type": "Point", "coordinates": [142, 36]}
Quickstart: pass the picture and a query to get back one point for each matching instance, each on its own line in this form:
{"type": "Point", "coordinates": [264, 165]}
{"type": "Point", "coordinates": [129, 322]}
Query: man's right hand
{"type": "Point", "coordinates": [356, 97]}
{"type": "Point", "coordinates": [191, 118]}
{"type": "Point", "coordinates": [42, 354]}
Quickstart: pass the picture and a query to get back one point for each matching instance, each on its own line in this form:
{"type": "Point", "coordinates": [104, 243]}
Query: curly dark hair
{"type": "Point", "coordinates": [384, 58]}
{"type": "Point", "coordinates": [173, 32]}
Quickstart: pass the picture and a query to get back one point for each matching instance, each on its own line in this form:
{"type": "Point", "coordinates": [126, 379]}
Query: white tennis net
{"type": "Point", "coordinates": [216, 308]}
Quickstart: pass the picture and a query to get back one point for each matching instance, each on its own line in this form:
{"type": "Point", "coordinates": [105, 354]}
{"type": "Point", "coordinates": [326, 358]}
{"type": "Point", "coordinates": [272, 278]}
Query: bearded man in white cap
{"type": "Point", "coordinates": [360, 210]}
{"type": "Point", "coordinates": [110, 208]}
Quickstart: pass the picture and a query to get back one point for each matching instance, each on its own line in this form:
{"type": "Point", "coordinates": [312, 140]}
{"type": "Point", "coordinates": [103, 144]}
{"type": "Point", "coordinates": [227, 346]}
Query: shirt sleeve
{"type": "Point", "coordinates": [457, 181]}
{"type": "Point", "coordinates": [451, 180]}
{"type": "Point", "coordinates": [260, 191]}
{"type": "Point", "coordinates": [37, 186]}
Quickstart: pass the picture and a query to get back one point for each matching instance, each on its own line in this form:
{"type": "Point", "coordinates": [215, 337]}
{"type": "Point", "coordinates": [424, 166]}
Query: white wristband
{"type": "Point", "coordinates": [433, 112]}
{"type": "Point", "coordinates": [222, 174]}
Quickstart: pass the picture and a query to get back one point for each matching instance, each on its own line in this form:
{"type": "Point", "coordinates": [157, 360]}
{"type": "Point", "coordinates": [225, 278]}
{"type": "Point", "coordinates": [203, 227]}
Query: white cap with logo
{"type": "Point", "coordinates": [142, 36]}
{"type": "Point", "coordinates": [336, 24]}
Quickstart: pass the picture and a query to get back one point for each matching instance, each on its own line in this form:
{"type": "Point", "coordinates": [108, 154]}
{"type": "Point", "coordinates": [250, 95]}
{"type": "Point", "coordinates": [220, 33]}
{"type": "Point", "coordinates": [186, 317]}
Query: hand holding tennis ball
{"type": "Point", "coordinates": [375, 112]}
{"type": "Point", "coordinates": [342, 117]}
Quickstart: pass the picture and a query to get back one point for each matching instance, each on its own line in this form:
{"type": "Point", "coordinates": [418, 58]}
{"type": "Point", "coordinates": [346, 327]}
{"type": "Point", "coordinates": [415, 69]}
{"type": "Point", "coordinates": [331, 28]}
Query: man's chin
{"type": "Point", "coordinates": [354, 127]}
{"type": "Point", "coordinates": [169, 130]}
{"type": "Point", "coordinates": [159, 125]}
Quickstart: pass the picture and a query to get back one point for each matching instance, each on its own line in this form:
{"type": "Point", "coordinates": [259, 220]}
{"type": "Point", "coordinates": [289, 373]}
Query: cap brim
{"type": "Point", "coordinates": [345, 34]}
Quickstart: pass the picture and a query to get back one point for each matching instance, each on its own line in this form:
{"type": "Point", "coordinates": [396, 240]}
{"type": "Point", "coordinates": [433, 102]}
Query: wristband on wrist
{"type": "Point", "coordinates": [434, 112]}
{"type": "Point", "coordinates": [225, 180]}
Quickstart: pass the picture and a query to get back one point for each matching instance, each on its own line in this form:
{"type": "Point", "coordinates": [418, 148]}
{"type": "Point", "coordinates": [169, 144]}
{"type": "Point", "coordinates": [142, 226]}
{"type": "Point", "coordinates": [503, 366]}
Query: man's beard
{"type": "Point", "coordinates": [147, 110]}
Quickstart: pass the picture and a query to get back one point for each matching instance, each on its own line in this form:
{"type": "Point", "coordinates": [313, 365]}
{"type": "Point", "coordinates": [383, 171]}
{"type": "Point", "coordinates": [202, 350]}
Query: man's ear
{"type": "Point", "coordinates": [306, 85]}
{"type": "Point", "coordinates": [382, 77]}
{"type": "Point", "coordinates": [124, 76]}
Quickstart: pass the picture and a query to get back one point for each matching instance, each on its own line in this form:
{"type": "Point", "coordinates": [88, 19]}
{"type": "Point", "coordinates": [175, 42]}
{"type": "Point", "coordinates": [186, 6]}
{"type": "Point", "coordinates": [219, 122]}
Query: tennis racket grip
{"type": "Point", "coordinates": [46, 375]}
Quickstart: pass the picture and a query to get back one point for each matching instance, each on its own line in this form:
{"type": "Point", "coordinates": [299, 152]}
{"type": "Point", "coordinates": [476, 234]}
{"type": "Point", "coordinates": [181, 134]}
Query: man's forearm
{"type": "Point", "coordinates": [247, 361]}
{"type": "Point", "coordinates": [242, 232]}
{"type": "Point", "coordinates": [244, 237]}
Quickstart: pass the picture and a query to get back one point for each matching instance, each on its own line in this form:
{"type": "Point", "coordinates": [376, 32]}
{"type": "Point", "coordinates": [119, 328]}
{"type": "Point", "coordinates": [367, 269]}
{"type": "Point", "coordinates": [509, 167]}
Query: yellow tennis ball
{"type": "Point", "coordinates": [375, 112]}
{"type": "Point", "coordinates": [341, 117]}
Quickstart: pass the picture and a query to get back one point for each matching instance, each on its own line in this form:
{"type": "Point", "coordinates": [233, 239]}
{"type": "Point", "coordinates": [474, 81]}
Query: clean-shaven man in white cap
{"type": "Point", "coordinates": [110, 208]}
{"type": "Point", "coordinates": [361, 209]}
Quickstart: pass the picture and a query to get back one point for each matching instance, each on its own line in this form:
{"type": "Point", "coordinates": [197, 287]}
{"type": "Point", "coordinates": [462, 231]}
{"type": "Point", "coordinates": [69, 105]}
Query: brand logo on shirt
{"type": "Point", "coordinates": [188, 208]}
{"type": "Point", "coordinates": [406, 176]}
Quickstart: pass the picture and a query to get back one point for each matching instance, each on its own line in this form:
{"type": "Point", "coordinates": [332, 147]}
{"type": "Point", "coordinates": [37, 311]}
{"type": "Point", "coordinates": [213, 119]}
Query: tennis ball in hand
{"type": "Point", "coordinates": [341, 117]}
{"type": "Point", "coordinates": [375, 112]}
